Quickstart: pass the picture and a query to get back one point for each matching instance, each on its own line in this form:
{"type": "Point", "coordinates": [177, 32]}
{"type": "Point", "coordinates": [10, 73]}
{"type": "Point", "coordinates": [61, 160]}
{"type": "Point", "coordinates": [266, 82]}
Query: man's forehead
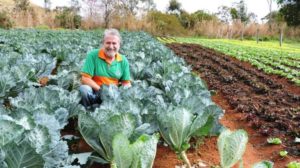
{"type": "Point", "coordinates": [111, 38]}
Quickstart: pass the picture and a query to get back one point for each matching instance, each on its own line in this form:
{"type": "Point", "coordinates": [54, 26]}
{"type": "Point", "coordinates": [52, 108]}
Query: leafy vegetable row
{"type": "Point", "coordinates": [283, 61]}
{"type": "Point", "coordinates": [163, 89]}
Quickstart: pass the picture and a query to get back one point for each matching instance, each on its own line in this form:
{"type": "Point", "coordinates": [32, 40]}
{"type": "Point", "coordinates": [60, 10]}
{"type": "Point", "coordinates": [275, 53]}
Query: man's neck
{"type": "Point", "coordinates": [110, 59]}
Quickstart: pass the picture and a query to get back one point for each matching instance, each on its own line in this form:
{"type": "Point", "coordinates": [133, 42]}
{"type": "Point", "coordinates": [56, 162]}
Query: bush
{"type": "Point", "coordinates": [165, 24]}
{"type": "Point", "coordinates": [67, 18]}
{"type": "Point", "coordinates": [5, 21]}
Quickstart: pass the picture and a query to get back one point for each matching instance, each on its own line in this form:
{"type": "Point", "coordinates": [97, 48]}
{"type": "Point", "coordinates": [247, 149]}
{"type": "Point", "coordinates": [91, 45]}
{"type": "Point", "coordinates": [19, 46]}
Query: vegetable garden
{"type": "Point", "coordinates": [270, 104]}
{"type": "Point", "coordinates": [168, 105]}
{"type": "Point", "coordinates": [247, 89]}
{"type": "Point", "coordinates": [266, 56]}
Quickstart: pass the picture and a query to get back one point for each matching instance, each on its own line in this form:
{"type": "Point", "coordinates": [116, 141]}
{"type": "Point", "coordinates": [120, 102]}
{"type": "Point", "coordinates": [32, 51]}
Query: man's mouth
{"type": "Point", "coordinates": [110, 50]}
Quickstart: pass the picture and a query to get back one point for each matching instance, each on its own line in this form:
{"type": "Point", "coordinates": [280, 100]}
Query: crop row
{"type": "Point", "coordinates": [283, 62]}
{"type": "Point", "coordinates": [247, 90]}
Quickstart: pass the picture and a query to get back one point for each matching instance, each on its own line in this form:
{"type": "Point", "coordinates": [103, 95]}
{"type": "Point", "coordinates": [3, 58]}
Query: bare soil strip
{"type": "Point", "coordinates": [271, 104]}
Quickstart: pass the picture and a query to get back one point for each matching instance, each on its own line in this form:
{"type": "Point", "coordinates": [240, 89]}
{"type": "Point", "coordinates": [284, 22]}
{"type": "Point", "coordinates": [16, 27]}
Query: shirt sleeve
{"type": "Point", "coordinates": [126, 71]}
{"type": "Point", "coordinates": [89, 65]}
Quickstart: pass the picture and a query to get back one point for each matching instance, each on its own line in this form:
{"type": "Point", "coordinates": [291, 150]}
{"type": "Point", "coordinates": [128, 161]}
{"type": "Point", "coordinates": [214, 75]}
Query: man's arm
{"type": "Point", "coordinates": [89, 81]}
{"type": "Point", "coordinates": [125, 79]}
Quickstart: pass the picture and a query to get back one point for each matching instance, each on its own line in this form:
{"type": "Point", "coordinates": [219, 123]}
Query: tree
{"type": "Point", "coordinates": [5, 20]}
{"type": "Point", "coordinates": [22, 5]}
{"type": "Point", "coordinates": [270, 2]}
{"type": "Point", "coordinates": [224, 13]}
{"type": "Point", "coordinates": [92, 7]}
{"type": "Point", "coordinates": [75, 10]}
{"type": "Point", "coordinates": [165, 24]}
{"type": "Point", "coordinates": [66, 18]}
{"type": "Point", "coordinates": [24, 12]}
{"type": "Point", "coordinates": [92, 12]}
{"type": "Point", "coordinates": [186, 20]}
{"type": "Point", "coordinates": [174, 6]}
{"type": "Point", "coordinates": [242, 11]}
{"type": "Point", "coordinates": [252, 17]}
{"type": "Point", "coordinates": [201, 15]}
{"type": "Point", "coordinates": [270, 21]}
{"type": "Point", "coordinates": [279, 20]}
{"type": "Point", "coordinates": [108, 7]}
{"type": "Point", "coordinates": [132, 7]}
{"type": "Point", "coordinates": [148, 5]}
{"type": "Point", "coordinates": [234, 14]}
{"type": "Point", "coordinates": [47, 5]}
{"type": "Point", "coordinates": [290, 10]}
{"type": "Point", "coordinates": [242, 15]}
{"type": "Point", "coordinates": [75, 6]}
{"type": "Point", "coordinates": [120, 8]}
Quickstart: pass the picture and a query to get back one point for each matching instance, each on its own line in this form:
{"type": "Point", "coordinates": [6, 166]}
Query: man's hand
{"type": "Point", "coordinates": [89, 81]}
{"type": "Point", "coordinates": [43, 81]}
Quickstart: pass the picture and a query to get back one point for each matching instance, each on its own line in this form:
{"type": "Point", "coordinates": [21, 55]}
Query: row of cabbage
{"type": "Point", "coordinates": [283, 61]}
{"type": "Point", "coordinates": [33, 116]}
{"type": "Point", "coordinates": [165, 97]}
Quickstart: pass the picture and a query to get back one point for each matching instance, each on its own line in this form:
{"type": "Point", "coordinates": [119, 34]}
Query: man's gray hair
{"type": "Point", "coordinates": [113, 32]}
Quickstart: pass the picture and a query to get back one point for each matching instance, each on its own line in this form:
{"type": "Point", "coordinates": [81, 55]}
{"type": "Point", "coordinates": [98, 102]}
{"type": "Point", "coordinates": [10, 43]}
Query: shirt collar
{"type": "Point", "coordinates": [104, 57]}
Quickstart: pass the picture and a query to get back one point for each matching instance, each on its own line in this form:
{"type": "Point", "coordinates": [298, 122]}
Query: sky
{"type": "Point", "coordinates": [259, 7]}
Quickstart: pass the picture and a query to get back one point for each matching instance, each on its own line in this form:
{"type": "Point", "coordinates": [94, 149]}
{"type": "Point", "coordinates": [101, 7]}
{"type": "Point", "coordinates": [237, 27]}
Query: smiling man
{"type": "Point", "coordinates": [103, 66]}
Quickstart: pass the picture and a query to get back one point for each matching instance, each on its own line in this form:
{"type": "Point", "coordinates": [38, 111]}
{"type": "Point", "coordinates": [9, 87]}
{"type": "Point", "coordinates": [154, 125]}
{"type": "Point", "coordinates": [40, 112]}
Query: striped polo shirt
{"type": "Point", "coordinates": [98, 67]}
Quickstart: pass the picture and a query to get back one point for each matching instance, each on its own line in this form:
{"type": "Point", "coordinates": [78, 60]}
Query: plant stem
{"type": "Point", "coordinates": [185, 159]}
{"type": "Point", "coordinates": [113, 165]}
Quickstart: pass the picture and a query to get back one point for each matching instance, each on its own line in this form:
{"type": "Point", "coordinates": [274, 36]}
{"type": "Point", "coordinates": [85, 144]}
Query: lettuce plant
{"type": "Point", "coordinates": [293, 164]}
{"type": "Point", "coordinates": [283, 153]}
{"type": "Point", "coordinates": [275, 141]}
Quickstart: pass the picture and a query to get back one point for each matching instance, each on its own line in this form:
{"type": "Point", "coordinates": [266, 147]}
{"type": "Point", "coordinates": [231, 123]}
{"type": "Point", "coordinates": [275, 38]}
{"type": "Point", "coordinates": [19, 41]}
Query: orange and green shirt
{"type": "Point", "coordinates": [98, 67]}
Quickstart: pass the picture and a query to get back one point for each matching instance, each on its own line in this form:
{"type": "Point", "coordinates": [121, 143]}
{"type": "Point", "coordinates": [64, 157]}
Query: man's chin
{"type": "Point", "coordinates": [110, 54]}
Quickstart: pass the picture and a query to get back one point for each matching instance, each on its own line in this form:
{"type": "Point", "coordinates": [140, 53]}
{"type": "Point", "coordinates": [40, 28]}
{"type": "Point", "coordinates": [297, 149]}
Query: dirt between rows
{"type": "Point", "coordinates": [263, 105]}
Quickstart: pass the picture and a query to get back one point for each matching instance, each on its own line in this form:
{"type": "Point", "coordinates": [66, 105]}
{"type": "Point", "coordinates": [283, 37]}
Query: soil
{"type": "Point", "coordinates": [263, 105]}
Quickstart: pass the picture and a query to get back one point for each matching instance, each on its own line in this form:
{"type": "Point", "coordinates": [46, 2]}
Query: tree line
{"type": "Point", "coordinates": [91, 14]}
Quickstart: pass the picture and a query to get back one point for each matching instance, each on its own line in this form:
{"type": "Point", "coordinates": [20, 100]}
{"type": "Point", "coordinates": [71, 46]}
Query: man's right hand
{"type": "Point", "coordinates": [89, 81]}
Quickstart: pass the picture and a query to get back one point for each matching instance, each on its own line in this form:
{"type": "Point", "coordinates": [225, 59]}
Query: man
{"type": "Point", "coordinates": [103, 66]}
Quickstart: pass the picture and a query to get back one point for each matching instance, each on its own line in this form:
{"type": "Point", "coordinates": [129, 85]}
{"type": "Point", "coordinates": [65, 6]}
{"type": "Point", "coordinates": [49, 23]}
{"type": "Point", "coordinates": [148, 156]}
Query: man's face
{"type": "Point", "coordinates": [111, 45]}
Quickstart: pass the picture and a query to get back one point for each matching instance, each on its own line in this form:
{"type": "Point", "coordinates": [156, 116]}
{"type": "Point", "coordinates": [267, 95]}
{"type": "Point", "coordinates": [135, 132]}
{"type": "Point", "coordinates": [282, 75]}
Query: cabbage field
{"type": "Point", "coordinates": [167, 106]}
{"type": "Point", "coordinates": [166, 100]}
